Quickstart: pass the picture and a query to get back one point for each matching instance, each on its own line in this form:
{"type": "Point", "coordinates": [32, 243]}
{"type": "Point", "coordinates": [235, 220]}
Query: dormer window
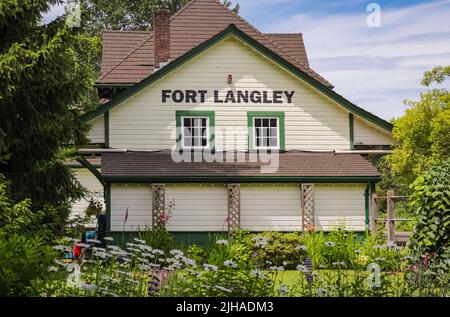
{"type": "Point", "coordinates": [195, 130]}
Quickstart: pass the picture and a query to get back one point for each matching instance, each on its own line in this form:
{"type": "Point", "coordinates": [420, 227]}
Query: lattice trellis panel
{"type": "Point", "coordinates": [307, 191]}
{"type": "Point", "coordinates": [234, 208]}
{"type": "Point", "coordinates": [158, 207]}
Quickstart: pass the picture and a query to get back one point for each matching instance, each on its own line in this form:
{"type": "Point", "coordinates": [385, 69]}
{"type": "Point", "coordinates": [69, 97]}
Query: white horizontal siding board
{"type": "Point", "coordinates": [94, 187]}
{"type": "Point", "coordinates": [339, 204]}
{"type": "Point", "coordinates": [367, 134]}
{"type": "Point", "coordinates": [97, 132]}
{"type": "Point", "coordinates": [270, 207]}
{"type": "Point", "coordinates": [312, 121]}
{"type": "Point", "coordinates": [198, 207]}
{"type": "Point", "coordinates": [138, 199]}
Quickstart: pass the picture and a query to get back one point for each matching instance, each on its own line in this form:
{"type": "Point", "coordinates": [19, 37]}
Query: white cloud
{"type": "Point", "coordinates": [376, 67]}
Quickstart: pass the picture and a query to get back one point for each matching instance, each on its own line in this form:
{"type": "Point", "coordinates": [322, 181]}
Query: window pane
{"type": "Point", "coordinates": [187, 122]}
{"type": "Point", "coordinates": [273, 142]}
{"type": "Point", "coordinates": [273, 132]}
{"type": "Point", "coordinates": [196, 141]}
{"type": "Point", "coordinates": [204, 142]}
{"type": "Point", "coordinates": [186, 132]}
{"type": "Point", "coordinates": [204, 122]}
{"type": "Point", "coordinates": [265, 122]}
{"type": "Point", "coordinates": [273, 123]}
{"type": "Point", "coordinates": [204, 132]}
{"type": "Point", "coordinates": [265, 132]}
{"type": "Point", "coordinates": [258, 123]}
{"type": "Point", "coordinates": [265, 142]}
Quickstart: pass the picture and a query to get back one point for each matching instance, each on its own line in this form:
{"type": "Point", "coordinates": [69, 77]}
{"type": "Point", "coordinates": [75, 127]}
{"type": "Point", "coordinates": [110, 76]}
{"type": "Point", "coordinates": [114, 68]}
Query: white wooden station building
{"type": "Point", "coordinates": [230, 124]}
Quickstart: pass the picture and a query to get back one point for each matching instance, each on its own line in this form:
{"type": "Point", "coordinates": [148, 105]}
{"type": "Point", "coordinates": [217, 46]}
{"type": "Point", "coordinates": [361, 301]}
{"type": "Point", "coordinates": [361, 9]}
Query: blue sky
{"type": "Point", "coordinates": [376, 68]}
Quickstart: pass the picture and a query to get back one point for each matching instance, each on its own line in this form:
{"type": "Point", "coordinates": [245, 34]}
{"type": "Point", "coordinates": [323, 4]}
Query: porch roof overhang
{"type": "Point", "coordinates": [288, 167]}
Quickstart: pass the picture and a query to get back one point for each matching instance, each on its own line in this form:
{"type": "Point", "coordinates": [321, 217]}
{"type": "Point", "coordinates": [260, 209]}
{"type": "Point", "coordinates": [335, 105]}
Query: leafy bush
{"type": "Point", "coordinates": [430, 201]}
{"type": "Point", "coordinates": [279, 249]}
{"type": "Point", "coordinates": [23, 261]}
{"type": "Point", "coordinates": [159, 239]}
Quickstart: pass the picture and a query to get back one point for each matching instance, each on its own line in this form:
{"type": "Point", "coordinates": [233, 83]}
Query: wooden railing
{"type": "Point", "coordinates": [392, 235]}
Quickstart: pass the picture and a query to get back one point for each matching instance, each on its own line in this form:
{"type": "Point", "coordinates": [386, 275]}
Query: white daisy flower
{"type": "Point", "coordinates": [283, 289]}
{"type": "Point", "coordinates": [52, 268]}
{"type": "Point", "coordinates": [330, 244]}
{"type": "Point", "coordinates": [209, 267]}
{"type": "Point", "coordinates": [258, 273]}
{"type": "Point", "coordinates": [221, 288]}
{"type": "Point", "coordinates": [302, 268]}
{"type": "Point", "coordinates": [222, 242]}
{"type": "Point", "coordinates": [230, 263]}
{"type": "Point", "coordinates": [301, 248]}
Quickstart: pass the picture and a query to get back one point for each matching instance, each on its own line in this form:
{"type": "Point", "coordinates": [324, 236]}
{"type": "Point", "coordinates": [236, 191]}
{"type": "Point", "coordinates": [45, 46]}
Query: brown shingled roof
{"type": "Point", "coordinates": [292, 164]}
{"type": "Point", "coordinates": [292, 43]}
{"type": "Point", "coordinates": [130, 59]}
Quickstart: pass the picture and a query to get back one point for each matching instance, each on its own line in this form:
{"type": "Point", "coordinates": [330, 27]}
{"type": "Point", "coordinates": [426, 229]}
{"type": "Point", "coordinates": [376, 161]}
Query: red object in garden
{"type": "Point", "coordinates": [76, 251]}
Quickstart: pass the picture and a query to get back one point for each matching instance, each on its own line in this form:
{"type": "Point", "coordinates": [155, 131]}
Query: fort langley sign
{"type": "Point", "coordinates": [231, 96]}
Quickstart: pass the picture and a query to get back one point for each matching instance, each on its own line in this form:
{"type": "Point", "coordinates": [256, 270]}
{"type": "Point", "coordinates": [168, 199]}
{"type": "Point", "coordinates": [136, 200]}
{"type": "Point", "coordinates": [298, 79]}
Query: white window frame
{"type": "Point", "coordinates": [277, 147]}
{"type": "Point", "coordinates": [208, 136]}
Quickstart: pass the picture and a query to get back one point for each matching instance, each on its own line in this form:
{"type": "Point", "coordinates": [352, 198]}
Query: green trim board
{"type": "Point", "coordinates": [91, 168]}
{"type": "Point", "coordinates": [187, 113]}
{"type": "Point", "coordinates": [236, 32]}
{"type": "Point", "coordinates": [122, 86]}
{"type": "Point", "coordinates": [351, 131]}
{"type": "Point", "coordinates": [106, 128]}
{"type": "Point", "coordinates": [107, 197]}
{"type": "Point", "coordinates": [81, 166]}
{"type": "Point", "coordinates": [366, 205]}
{"type": "Point", "coordinates": [243, 179]}
{"type": "Point", "coordinates": [266, 114]}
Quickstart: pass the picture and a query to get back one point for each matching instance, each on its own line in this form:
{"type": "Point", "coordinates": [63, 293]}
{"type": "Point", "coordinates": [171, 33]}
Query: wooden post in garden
{"type": "Point", "coordinates": [373, 215]}
{"type": "Point", "coordinates": [390, 224]}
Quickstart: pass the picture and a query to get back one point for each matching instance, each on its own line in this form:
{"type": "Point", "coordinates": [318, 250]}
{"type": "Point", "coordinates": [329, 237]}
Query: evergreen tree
{"type": "Point", "coordinates": [45, 86]}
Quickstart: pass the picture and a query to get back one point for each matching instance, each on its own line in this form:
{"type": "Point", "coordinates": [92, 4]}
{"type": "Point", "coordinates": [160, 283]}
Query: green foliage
{"type": "Point", "coordinates": [100, 15]}
{"type": "Point", "coordinates": [159, 239]}
{"type": "Point", "coordinates": [423, 133]}
{"type": "Point", "coordinates": [280, 249]}
{"type": "Point", "coordinates": [46, 82]}
{"type": "Point", "coordinates": [430, 201]}
{"type": "Point", "coordinates": [23, 262]}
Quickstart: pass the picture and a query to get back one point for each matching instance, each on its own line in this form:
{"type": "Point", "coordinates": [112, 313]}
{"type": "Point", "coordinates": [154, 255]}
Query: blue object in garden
{"type": "Point", "coordinates": [90, 235]}
{"type": "Point", "coordinates": [68, 255]}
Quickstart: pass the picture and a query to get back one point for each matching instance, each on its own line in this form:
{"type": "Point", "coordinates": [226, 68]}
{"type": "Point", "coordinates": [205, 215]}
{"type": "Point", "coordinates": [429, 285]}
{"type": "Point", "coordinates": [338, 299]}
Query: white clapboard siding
{"type": "Point", "coordinates": [92, 184]}
{"type": "Point", "coordinates": [138, 199]}
{"type": "Point", "coordinates": [197, 207]}
{"type": "Point", "coordinates": [97, 132]}
{"type": "Point", "coordinates": [270, 207]}
{"type": "Point", "coordinates": [337, 204]}
{"type": "Point", "coordinates": [367, 134]}
{"type": "Point", "coordinates": [313, 122]}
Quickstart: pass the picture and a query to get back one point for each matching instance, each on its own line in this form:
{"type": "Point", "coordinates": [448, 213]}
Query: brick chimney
{"type": "Point", "coordinates": [161, 35]}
